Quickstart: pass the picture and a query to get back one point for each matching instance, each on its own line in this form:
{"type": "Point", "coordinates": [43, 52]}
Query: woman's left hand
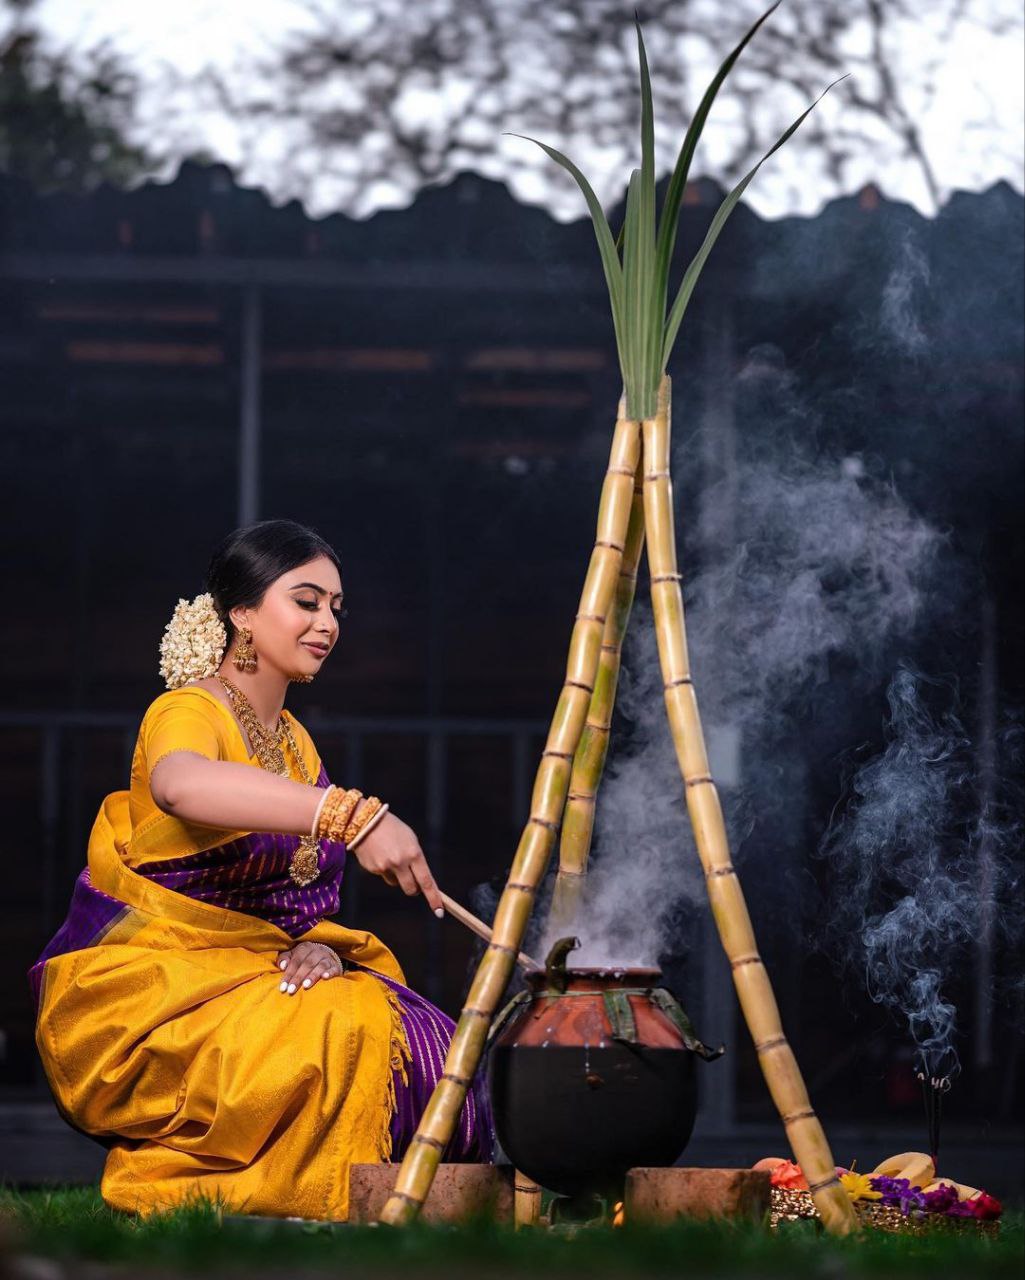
{"type": "Point", "coordinates": [307, 963]}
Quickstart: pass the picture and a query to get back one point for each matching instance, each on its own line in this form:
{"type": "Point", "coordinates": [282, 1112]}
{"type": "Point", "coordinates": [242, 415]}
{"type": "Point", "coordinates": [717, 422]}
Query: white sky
{"type": "Point", "coordinates": [973, 130]}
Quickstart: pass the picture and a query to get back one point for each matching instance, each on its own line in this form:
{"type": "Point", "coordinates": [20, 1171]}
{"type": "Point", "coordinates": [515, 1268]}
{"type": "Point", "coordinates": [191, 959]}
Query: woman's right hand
{"type": "Point", "coordinates": [392, 851]}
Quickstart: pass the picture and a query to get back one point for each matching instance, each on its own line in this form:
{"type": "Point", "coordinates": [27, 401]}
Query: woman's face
{"type": "Point", "coordinates": [296, 625]}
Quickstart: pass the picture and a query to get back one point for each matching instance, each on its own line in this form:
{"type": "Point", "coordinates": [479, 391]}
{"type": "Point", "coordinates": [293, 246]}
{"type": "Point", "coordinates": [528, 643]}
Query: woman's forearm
{"type": "Point", "coordinates": [236, 797]}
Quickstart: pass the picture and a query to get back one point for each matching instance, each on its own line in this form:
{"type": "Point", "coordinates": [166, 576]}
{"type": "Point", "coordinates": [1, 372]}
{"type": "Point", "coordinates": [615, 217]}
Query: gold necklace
{"type": "Point", "coordinates": [268, 747]}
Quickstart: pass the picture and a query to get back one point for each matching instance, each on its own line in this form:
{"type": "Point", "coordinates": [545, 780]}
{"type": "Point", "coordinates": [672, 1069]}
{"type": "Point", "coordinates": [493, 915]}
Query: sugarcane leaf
{"type": "Point", "coordinates": [690, 277]}
{"type": "Point", "coordinates": [649, 335]}
{"type": "Point", "coordinates": [647, 117]}
{"type": "Point", "coordinates": [633, 284]}
{"type": "Point", "coordinates": [674, 192]}
{"type": "Point", "coordinates": [603, 234]}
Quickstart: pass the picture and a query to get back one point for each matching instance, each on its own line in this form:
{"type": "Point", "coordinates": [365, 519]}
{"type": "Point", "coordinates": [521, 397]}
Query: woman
{"type": "Point", "coordinates": [197, 1012]}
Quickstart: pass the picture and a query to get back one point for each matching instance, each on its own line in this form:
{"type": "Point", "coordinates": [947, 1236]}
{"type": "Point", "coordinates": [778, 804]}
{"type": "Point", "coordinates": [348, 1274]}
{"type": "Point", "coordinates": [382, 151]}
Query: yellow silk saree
{"type": "Point", "coordinates": [164, 1034]}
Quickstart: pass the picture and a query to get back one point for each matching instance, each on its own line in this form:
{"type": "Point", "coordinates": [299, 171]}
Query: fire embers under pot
{"type": "Point", "coordinates": [591, 1074]}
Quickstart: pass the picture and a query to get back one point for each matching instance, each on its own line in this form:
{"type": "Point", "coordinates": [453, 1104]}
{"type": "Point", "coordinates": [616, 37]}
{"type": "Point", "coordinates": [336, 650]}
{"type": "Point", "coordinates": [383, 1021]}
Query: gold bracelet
{"type": "Point", "coordinates": [328, 811]}
{"type": "Point", "coordinates": [341, 801]}
{"type": "Point", "coordinates": [367, 827]}
{"type": "Point", "coordinates": [332, 801]}
{"type": "Point", "coordinates": [315, 824]}
{"type": "Point", "coordinates": [334, 822]}
{"type": "Point", "coordinates": [356, 823]}
{"type": "Point", "coordinates": [365, 814]}
{"type": "Point", "coordinates": [335, 818]}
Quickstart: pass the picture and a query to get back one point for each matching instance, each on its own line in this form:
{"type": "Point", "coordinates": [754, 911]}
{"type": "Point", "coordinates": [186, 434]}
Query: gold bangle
{"type": "Point", "coordinates": [358, 821]}
{"type": "Point", "coordinates": [365, 814]}
{"type": "Point", "coordinates": [335, 823]}
{"type": "Point", "coordinates": [367, 827]}
{"type": "Point", "coordinates": [330, 806]}
{"type": "Point", "coordinates": [336, 817]}
{"type": "Point", "coordinates": [340, 801]}
{"type": "Point", "coordinates": [315, 824]}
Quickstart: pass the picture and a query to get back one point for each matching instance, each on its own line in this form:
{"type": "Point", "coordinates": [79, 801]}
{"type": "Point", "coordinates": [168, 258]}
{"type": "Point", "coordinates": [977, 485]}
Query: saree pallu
{"type": "Point", "coordinates": [164, 1036]}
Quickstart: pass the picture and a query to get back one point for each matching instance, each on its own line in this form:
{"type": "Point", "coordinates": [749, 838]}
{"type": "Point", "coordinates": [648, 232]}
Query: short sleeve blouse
{"type": "Point", "coordinates": [180, 721]}
{"type": "Point", "coordinates": [188, 719]}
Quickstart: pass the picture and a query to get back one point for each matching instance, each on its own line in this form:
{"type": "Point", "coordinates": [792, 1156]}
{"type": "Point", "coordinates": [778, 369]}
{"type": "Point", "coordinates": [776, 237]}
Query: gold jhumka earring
{"type": "Point", "coordinates": [245, 655]}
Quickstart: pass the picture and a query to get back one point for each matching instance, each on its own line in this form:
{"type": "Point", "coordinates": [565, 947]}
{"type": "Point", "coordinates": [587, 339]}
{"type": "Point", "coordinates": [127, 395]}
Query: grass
{"type": "Point", "coordinates": [74, 1225]}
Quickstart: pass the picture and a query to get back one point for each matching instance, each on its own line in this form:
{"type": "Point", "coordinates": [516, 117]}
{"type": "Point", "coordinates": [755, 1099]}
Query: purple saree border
{"type": "Point", "coordinates": [250, 875]}
{"type": "Point", "coordinates": [90, 915]}
{"type": "Point", "coordinates": [429, 1033]}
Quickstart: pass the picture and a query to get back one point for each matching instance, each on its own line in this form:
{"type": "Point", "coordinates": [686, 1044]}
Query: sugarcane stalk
{"type": "Point", "coordinates": [589, 759]}
{"type": "Point", "coordinates": [533, 853]}
{"type": "Point", "coordinates": [526, 1201]}
{"type": "Point", "coordinates": [478, 927]}
{"type": "Point", "coordinates": [754, 990]}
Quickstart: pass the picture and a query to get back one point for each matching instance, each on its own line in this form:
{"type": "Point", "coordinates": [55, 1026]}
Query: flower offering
{"type": "Point", "coordinates": [901, 1194]}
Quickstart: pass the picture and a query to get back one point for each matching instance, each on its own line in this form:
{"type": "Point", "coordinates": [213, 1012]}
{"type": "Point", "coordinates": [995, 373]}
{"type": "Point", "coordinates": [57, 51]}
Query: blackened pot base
{"type": "Point", "coordinates": [576, 1118]}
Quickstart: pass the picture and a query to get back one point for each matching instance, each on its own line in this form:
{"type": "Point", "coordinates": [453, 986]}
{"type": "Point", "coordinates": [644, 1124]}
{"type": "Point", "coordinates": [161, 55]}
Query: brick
{"type": "Point", "coordinates": [459, 1191]}
{"type": "Point", "coordinates": [660, 1195]}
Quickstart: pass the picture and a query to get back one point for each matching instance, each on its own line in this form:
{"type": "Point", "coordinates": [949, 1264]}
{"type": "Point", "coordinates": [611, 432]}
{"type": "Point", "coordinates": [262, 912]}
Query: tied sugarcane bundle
{"type": "Point", "coordinates": [536, 842]}
{"type": "Point", "coordinates": [636, 506]}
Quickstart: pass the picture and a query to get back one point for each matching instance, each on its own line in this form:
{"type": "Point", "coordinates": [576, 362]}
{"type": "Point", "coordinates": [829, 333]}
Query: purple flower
{"type": "Point", "coordinates": [899, 1193]}
{"type": "Point", "coordinates": [889, 1188]}
{"type": "Point", "coordinates": [961, 1209]}
{"type": "Point", "coordinates": [941, 1200]}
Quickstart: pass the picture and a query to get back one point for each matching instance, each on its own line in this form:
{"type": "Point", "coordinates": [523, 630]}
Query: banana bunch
{"type": "Point", "coordinates": [920, 1171]}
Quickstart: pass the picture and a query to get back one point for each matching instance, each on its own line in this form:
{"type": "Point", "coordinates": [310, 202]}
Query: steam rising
{"type": "Point", "coordinates": [908, 889]}
{"type": "Point", "coordinates": [811, 588]}
{"type": "Point", "coordinates": [899, 312]}
{"type": "Point", "coordinates": [829, 571]}
{"type": "Point", "coordinates": [814, 581]}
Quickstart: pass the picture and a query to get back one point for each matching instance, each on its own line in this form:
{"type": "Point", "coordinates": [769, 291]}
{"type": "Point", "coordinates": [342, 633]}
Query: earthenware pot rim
{"type": "Point", "coordinates": [593, 973]}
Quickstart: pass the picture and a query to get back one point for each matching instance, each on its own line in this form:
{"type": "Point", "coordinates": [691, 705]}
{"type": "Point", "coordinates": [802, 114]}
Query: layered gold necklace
{"type": "Point", "coordinates": [268, 746]}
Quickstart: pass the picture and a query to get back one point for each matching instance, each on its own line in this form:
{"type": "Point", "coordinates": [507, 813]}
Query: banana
{"type": "Point", "coordinates": [891, 1166]}
{"type": "Point", "coordinates": [963, 1192]}
{"type": "Point", "coordinates": [916, 1166]}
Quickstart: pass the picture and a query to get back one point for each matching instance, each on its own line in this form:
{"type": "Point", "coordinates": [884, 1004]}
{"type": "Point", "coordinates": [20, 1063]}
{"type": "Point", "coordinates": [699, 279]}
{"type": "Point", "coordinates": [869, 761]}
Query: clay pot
{"type": "Point", "coordinates": [591, 1073]}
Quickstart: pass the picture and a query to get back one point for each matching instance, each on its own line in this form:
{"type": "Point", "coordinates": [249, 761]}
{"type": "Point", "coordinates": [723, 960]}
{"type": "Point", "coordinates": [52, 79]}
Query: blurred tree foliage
{"type": "Point", "coordinates": [63, 116]}
{"type": "Point", "coordinates": [378, 97]}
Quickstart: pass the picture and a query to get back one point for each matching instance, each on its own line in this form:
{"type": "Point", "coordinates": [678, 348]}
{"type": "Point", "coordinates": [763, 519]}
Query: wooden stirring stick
{"type": "Point", "coordinates": [481, 929]}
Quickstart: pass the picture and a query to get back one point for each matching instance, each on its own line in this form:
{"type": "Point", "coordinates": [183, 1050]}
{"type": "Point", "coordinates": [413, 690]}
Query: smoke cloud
{"type": "Point", "coordinates": [911, 878]}
{"type": "Point", "coordinates": [826, 573]}
{"type": "Point", "coordinates": [828, 582]}
{"type": "Point", "coordinates": [899, 313]}
{"type": "Point", "coordinates": [814, 588]}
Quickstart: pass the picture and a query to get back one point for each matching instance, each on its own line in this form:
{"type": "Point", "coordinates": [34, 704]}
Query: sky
{"type": "Point", "coordinates": [973, 128]}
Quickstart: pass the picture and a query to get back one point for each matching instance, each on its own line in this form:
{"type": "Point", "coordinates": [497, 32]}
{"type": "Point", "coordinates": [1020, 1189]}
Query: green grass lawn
{"type": "Point", "coordinates": [74, 1225]}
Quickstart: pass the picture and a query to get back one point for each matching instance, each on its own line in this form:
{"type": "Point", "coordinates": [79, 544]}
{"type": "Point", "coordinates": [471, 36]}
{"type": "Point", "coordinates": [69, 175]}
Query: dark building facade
{"type": "Point", "coordinates": [433, 390]}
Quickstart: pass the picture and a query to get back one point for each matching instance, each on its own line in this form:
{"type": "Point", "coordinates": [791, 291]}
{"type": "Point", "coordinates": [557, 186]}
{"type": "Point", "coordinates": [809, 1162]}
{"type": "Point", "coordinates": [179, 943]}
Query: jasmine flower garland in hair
{"type": "Point", "coordinates": [193, 643]}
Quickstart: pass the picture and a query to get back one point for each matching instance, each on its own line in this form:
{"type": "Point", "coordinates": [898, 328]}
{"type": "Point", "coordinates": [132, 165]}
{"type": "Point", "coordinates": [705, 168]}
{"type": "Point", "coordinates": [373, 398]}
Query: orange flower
{"type": "Point", "coordinates": [789, 1176]}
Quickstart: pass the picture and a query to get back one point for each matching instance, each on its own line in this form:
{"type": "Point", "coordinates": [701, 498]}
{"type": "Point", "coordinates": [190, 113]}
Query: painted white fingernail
{"type": "Point", "coordinates": [283, 987]}
{"type": "Point", "coordinates": [291, 988]}
{"type": "Point", "coordinates": [439, 912]}
{"type": "Point", "coordinates": [306, 982]}
{"type": "Point", "coordinates": [283, 964]}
